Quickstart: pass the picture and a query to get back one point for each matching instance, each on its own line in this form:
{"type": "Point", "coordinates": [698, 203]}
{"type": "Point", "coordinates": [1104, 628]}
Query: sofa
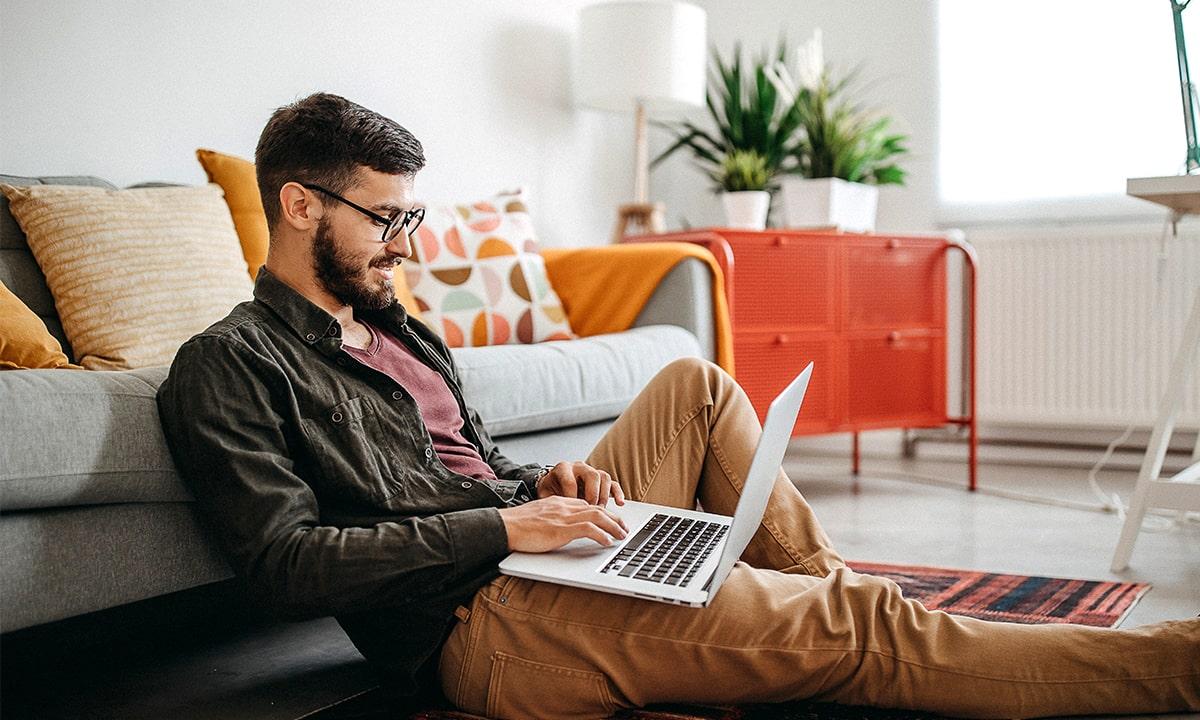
{"type": "Point", "coordinates": [93, 514]}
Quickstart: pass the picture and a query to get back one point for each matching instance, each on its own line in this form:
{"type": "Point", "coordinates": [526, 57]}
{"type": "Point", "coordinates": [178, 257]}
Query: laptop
{"type": "Point", "coordinates": [670, 554]}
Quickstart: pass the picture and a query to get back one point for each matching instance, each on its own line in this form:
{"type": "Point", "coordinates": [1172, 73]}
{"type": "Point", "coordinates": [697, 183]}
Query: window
{"type": "Point", "coordinates": [1053, 102]}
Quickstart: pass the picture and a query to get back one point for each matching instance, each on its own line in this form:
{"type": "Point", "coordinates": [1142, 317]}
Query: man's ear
{"type": "Point", "coordinates": [298, 207]}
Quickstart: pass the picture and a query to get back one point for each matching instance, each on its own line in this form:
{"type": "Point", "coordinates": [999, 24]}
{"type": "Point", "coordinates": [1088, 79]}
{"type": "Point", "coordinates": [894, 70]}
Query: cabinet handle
{"type": "Point", "coordinates": [892, 244]}
{"type": "Point", "coordinates": [781, 339]}
{"type": "Point", "coordinates": [893, 337]}
{"type": "Point", "coordinates": [780, 241]}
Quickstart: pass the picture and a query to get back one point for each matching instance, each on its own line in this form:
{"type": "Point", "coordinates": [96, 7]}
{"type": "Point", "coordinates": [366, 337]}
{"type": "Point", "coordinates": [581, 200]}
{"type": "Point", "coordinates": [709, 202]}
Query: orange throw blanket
{"type": "Point", "coordinates": [604, 288]}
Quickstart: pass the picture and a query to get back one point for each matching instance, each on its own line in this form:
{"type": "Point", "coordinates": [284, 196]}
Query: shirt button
{"type": "Point", "coordinates": [341, 361]}
{"type": "Point", "coordinates": [337, 417]}
{"type": "Point", "coordinates": [397, 395]}
{"type": "Point", "coordinates": [310, 337]}
{"type": "Point", "coordinates": [466, 485]}
{"type": "Point", "coordinates": [428, 453]}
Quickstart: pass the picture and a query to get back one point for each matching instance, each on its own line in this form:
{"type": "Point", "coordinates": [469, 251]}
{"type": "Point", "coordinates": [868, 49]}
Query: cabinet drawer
{"type": "Point", "coordinates": [896, 378]}
{"type": "Point", "coordinates": [783, 282]}
{"type": "Point", "coordinates": [767, 362]}
{"type": "Point", "coordinates": [895, 282]}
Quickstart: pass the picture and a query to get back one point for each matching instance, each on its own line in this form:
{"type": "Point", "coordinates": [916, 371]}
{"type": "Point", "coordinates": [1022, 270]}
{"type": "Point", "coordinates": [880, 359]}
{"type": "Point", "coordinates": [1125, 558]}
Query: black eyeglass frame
{"type": "Point", "coordinates": [391, 226]}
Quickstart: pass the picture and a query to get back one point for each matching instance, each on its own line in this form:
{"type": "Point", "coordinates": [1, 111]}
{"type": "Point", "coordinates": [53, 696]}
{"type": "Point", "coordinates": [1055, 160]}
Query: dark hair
{"type": "Point", "coordinates": [324, 139]}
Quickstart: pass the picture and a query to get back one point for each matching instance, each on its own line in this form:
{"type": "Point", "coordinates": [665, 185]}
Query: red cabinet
{"type": "Point", "coordinates": [868, 310]}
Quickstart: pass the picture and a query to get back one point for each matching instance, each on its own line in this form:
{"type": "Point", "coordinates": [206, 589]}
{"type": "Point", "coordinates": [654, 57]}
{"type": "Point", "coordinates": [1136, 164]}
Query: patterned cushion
{"type": "Point", "coordinates": [478, 277]}
{"type": "Point", "coordinates": [134, 273]}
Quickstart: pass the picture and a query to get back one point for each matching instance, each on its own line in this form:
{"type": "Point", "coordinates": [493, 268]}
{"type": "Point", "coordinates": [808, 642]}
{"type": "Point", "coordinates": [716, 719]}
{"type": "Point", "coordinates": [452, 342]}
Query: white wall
{"type": "Point", "coordinates": [127, 89]}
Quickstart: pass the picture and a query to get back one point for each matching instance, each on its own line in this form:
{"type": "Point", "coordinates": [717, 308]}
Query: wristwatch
{"type": "Point", "coordinates": [541, 474]}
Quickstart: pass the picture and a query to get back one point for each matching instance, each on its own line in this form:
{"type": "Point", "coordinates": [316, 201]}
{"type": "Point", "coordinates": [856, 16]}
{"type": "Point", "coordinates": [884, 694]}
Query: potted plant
{"type": "Point", "coordinates": [755, 138]}
{"type": "Point", "coordinates": [743, 177]}
{"type": "Point", "coordinates": [844, 151]}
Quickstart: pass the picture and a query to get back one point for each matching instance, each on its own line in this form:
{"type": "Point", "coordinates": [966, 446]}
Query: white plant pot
{"type": "Point", "coordinates": [746, 209]}
{"type": "Point", "coordinates": [829, 202]}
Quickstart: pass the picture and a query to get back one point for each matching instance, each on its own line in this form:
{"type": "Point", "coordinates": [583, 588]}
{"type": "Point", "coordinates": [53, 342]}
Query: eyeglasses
{"type": "Point", "coordinates": [406, 222]}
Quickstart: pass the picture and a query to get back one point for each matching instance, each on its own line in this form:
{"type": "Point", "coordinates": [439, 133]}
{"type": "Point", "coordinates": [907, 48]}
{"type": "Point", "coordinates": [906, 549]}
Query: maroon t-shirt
{"type": "Point", "coordinates": [438, 407]}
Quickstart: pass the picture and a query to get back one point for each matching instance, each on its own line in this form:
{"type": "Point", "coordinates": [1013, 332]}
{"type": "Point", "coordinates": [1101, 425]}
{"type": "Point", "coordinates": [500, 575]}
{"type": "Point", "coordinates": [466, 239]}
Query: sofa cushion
{"type": "Point", "coordinates": [83, 438]}
{"type": "Point", "coordinates": [519, 388]}
{"type": "Point", "coordinates": [18, 270]}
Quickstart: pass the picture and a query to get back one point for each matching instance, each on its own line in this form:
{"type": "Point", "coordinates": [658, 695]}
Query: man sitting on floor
{"type": "Point", "coordinates": [325, 437]}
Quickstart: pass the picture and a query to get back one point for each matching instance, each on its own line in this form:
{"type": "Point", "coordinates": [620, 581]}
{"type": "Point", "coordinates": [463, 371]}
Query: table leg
{"type": "Point", "coordinates": [1156, 451]}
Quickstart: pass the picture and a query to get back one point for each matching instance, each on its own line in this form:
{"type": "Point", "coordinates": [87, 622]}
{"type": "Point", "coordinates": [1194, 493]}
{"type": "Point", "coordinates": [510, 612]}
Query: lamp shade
{"type": "Point", "coordinates": [647, 52]}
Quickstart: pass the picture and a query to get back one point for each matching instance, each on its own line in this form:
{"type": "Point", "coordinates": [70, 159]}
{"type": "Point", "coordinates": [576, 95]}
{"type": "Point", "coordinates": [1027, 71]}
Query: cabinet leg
{"type": "Point", "coordinates": [855, 457]}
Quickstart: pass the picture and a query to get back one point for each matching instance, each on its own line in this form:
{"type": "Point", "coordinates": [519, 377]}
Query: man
{"type": "Point", "coordinates": [328, 445]}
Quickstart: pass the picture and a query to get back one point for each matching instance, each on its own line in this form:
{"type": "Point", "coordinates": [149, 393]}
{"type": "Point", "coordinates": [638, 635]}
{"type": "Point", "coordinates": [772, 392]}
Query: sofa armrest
{"type": "Point", "coordinates": [684, 298]}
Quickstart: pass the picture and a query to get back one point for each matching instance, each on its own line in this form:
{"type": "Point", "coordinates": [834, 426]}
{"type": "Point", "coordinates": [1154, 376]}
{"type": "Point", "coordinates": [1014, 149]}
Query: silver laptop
{"type": "Point", "coordinates": [674, 555]}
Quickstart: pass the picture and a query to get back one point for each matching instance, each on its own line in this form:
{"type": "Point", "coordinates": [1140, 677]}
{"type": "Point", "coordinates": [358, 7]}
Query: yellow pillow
{"type": "Point", "coordinates": [24, 340]}
{"type": "Point", "coordinates": [236, 177]}
{"type": "Point", "coordinates": [134, 273]}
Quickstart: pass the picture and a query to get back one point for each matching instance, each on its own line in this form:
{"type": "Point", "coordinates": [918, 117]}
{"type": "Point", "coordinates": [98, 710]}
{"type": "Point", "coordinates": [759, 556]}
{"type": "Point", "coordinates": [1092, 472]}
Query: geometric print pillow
{"type": "Point", "coordinates": [478, 277]}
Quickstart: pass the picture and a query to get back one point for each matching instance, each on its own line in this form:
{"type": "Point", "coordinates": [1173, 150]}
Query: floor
{"type": "Point", "coordinates": [206, 654]}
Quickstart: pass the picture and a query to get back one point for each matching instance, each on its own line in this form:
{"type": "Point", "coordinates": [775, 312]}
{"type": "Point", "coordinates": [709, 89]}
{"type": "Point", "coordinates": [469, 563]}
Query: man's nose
{"type": "Point", "coordinates": [401, 245]}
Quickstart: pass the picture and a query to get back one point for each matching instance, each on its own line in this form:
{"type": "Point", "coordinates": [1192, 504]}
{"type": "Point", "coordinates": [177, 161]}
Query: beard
{"type": "Point", "coordinates": [343, 275]}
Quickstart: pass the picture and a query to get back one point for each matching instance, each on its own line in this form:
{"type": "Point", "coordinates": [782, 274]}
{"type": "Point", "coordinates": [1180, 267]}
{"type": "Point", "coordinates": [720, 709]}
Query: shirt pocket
{"type": "Point", "coordinates": [345, 440]}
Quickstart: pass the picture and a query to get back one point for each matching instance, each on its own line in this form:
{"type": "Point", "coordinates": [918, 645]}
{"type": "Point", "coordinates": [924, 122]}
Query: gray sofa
{"type": "Point", "coordinates": [93, 514]}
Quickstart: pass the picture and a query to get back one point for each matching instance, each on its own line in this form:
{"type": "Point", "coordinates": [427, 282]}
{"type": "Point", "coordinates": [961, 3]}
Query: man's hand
{"type": "Point", "coordinates": [550, 523]}
{"type": "Point", "coordinates": [580, 480]}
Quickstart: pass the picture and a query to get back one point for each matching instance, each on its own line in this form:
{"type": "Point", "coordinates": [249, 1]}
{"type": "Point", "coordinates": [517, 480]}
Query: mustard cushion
{"type": "Point", "coordinates": [134, 273]}
{"type": "Point", "coordinates": [25, 342]}
{"type": "Point", "coordinates": [236, 177]}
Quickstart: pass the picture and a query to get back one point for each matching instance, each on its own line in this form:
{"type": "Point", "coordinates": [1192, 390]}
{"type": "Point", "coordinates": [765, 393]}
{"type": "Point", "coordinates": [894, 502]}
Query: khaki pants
{"type": "Point", "coordinates": [790, 622]}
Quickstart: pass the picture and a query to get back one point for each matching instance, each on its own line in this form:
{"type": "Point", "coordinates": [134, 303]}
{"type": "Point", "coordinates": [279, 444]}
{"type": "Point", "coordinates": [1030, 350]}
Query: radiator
{"type": "Point", "coordinates": [1077, 326]}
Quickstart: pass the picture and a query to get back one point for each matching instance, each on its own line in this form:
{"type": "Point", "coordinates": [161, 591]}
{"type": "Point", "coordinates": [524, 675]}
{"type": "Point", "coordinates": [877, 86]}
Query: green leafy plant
{"type": "Point", "coordinates": [839, 138]}
{"type": "Point", "coordinates": [744, 170]}
{"type": "Point", "coordinates": [773, 120]}
{"type": "Point", "coordinates": [755, 129]}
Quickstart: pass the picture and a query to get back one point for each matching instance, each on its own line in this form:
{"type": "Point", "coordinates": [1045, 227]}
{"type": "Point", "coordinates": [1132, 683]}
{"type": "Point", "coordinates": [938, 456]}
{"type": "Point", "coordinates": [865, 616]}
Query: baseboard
{"type": "Point", "coordinates": [1058, 447]}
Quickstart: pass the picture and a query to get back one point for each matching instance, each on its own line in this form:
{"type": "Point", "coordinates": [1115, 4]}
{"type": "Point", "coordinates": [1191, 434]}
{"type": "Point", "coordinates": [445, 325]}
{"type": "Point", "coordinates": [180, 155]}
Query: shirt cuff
{"type": "Point", "coordinates": [477, 536]}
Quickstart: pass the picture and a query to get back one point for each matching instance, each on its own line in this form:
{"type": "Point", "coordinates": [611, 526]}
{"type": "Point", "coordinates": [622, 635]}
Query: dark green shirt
{"type": "Point", "coordinates": [320, 482]}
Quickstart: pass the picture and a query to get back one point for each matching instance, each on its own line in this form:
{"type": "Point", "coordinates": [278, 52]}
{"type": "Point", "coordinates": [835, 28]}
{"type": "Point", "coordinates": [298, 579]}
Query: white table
{"type": "Point", "coordinates": [1182, 490]}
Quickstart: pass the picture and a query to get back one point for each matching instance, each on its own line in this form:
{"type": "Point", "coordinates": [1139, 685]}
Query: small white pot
{"type": "Point", "coordinates": [829, 203]}
{"type": "Point", "coordinates": [746, 209]}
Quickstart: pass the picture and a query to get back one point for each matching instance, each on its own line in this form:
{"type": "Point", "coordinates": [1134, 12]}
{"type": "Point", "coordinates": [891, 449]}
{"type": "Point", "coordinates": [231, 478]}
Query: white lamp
{"type": "Point", "coordinates": [641, 56]}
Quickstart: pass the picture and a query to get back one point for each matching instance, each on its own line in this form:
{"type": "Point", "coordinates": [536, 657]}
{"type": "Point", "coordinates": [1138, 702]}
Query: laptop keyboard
{"type": "Point", "coordinates": [669, 549]}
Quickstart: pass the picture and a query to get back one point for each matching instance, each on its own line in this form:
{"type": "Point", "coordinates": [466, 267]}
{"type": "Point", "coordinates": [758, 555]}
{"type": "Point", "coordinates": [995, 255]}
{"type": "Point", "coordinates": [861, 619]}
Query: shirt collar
{"type": "Point", "coordinates": [310, 323]}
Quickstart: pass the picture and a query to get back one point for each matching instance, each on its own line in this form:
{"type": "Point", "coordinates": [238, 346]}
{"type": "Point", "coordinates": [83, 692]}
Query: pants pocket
{"type": "Point", "coordinates": [522, 689]}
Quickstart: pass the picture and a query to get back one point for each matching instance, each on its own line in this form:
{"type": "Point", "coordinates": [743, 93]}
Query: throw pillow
{"type": "Point", "coordinates": [236, 178]}
{"type": "Point", "coordinates": [134, 273]}
{"type": "Point", "coordinates": [24, 340]}
{"type": "Point", "coordinates": [478, 277]}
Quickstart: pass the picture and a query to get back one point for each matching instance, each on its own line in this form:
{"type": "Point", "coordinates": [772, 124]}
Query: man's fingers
{"type": "Point", "coordinates": [618, 493]}
{"type": "Point", "coordinates": [612, 524]}
{"type": "Point", "coordinates": [606, 484]}
{"type": "Point", "coordinates": [592, 486]}
{"type": "Point", "coordinates": [567, 486]}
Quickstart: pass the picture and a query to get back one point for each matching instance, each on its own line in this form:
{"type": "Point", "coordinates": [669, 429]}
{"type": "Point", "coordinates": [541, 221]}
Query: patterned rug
{"type": "Point", "coordinates": [988, 596]}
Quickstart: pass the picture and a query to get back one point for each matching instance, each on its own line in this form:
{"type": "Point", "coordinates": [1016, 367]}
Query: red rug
{"type": "Point", "coordinates": [988, 596]}
{"type": "Point", "coordinates": [1013, 598]}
